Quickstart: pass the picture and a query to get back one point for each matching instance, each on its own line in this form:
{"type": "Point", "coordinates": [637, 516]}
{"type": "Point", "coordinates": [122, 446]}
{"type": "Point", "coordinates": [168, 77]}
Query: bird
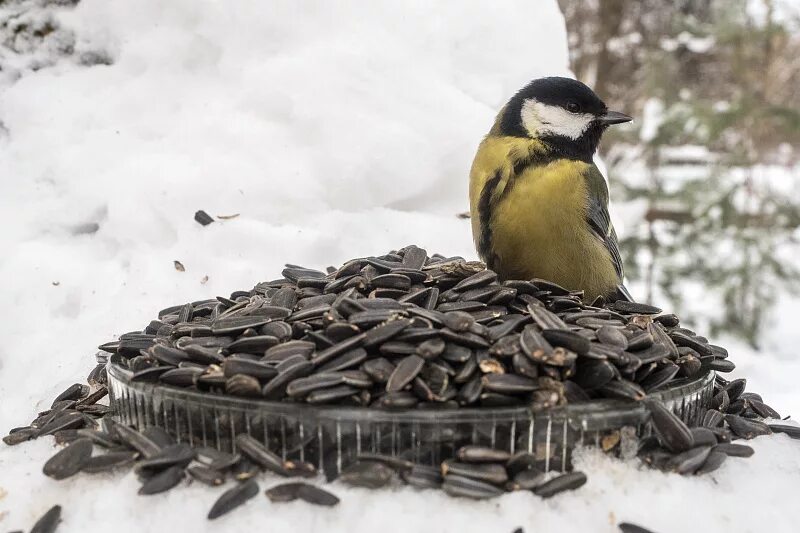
{"type": "Point", "coordinates": [538, 202]}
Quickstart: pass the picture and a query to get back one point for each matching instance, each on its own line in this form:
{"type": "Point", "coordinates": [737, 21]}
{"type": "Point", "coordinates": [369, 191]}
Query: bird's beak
{"type": "Point", "coordinates": [613, 117]}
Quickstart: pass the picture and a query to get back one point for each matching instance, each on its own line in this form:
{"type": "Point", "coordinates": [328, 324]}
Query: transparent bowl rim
{"type": "Point", "coordinates": [592, 409]}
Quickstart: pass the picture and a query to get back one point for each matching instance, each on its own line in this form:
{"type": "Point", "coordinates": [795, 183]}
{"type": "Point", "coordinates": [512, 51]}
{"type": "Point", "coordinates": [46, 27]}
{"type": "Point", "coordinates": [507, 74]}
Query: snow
{"type": "Point", "coordinates": [334, 130]}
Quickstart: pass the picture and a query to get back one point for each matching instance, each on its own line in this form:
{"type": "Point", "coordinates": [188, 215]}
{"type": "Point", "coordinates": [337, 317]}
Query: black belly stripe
{"type": "Point", "coordinates": [485, 216]}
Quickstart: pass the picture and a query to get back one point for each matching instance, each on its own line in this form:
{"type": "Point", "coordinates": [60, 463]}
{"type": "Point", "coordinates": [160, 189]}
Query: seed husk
{"type": "Point", "coordinates": [233, 498]}
{"type": "Point", "coordinates": [68, 461]}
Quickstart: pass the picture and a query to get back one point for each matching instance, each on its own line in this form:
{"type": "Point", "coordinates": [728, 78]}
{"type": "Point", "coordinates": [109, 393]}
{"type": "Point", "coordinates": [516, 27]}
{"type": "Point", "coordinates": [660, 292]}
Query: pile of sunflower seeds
{"type": "Point", "coordinates": [399, 331]}
{"type": "Point", "coordinates": [734, 414]}
{"type": "Point", "coordinates": [406, 330]}
{"type": "Point", "coordinates": [95, 444]}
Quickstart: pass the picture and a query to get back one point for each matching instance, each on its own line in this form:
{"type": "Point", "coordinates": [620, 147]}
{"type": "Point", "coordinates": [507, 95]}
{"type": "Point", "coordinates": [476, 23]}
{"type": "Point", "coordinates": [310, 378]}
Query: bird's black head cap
{"type": "Point", "coordinates": [576, 99]}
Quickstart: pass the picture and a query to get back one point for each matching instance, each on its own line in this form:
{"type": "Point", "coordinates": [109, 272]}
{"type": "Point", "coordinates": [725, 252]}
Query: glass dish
{"type": "Point", "coordinates": [331, 437]}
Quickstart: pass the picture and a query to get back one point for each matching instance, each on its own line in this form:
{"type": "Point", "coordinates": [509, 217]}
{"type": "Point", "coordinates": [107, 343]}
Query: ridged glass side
{"type": "Point", "coordinates": [332, 436]}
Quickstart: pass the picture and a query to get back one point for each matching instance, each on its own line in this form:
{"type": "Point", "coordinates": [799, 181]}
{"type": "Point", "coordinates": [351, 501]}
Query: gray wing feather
{"type": "Point", "coordinates": [598, 218]}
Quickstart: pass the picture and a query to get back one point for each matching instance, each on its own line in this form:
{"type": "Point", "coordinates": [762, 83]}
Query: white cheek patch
{"type": "Point", "coordinates": [542, 119]}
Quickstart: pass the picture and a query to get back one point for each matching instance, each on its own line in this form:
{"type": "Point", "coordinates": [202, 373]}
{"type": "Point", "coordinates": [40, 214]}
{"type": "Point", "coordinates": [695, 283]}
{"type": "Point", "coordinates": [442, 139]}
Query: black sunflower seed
{"type": "Point", "coordinates": [162, 481]}
{"type": "Point", "coordinates": [488, 472]}
{"type": "Point", "coordinates": [508, 384]}
{"type": "Point", "coordinates": [69, 461]}
{"type": "Point", "coordinates": [368, 474]}
{"type": "Point", "coordinates": [175, 455]}
{"type": "Point", "coordinates": [712, 462]}
{"type": "Point", "coordinates": [570, 481]}
{"type": "Point", "coordinates": [207, 475]}
{"type": "Point", "coordinates": [734, 450]}
{"type": "Point", "coordinates": [49, 521]}
{"type": "Point", "coordinates": [315, 495]}
{"type": "Point", "coordinates": [627, 527]}
{"type": "Point", "coordinates": [109, 461]}
{"type": "Point", "coordinates": [689, 461]}
{"type": "Point", "coordinates": [747, 428]}
{"type": "Point", "coordinates": [675, 435]}
{"type": "Point", "coordinates": [470, 488]}
{"type": "Point", "coordinates": [405, 372]}
{"type": "Point", "coordinates": [259, 454]}
{"type": "Point", "coordinates": [526, 480]}
{"type": "Point", "coordinates": [285, 492]}
{"type": "Point", "coordinates": [233, 498]}
{"type": "Point", "coordinates": [422, 476]}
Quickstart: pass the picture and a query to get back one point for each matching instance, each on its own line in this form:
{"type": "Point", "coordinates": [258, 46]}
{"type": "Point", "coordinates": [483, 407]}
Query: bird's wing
{"type": "Point", "coordinates": [598, 218]}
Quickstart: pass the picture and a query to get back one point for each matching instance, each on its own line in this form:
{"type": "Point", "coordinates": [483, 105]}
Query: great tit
{"type": "Point", "coordinates": [538, 204]}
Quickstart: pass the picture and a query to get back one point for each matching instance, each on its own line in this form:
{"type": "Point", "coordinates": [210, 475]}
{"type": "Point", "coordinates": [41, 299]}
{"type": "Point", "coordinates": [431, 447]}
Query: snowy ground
{"type": "Point", "coordinates": [335, 130]}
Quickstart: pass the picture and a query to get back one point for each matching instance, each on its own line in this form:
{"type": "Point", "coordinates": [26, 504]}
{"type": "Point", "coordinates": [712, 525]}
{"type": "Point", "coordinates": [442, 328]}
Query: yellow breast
{"type": "Point", "coordinates": [538, 224]}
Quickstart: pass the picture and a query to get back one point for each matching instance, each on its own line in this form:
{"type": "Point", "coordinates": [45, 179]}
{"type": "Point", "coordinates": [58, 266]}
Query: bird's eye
{"type": "Point", "coordinates": [572, 107]}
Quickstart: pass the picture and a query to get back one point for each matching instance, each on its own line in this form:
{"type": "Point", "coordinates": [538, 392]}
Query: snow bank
{"type": "Point", "coordinates": [335, 129]}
